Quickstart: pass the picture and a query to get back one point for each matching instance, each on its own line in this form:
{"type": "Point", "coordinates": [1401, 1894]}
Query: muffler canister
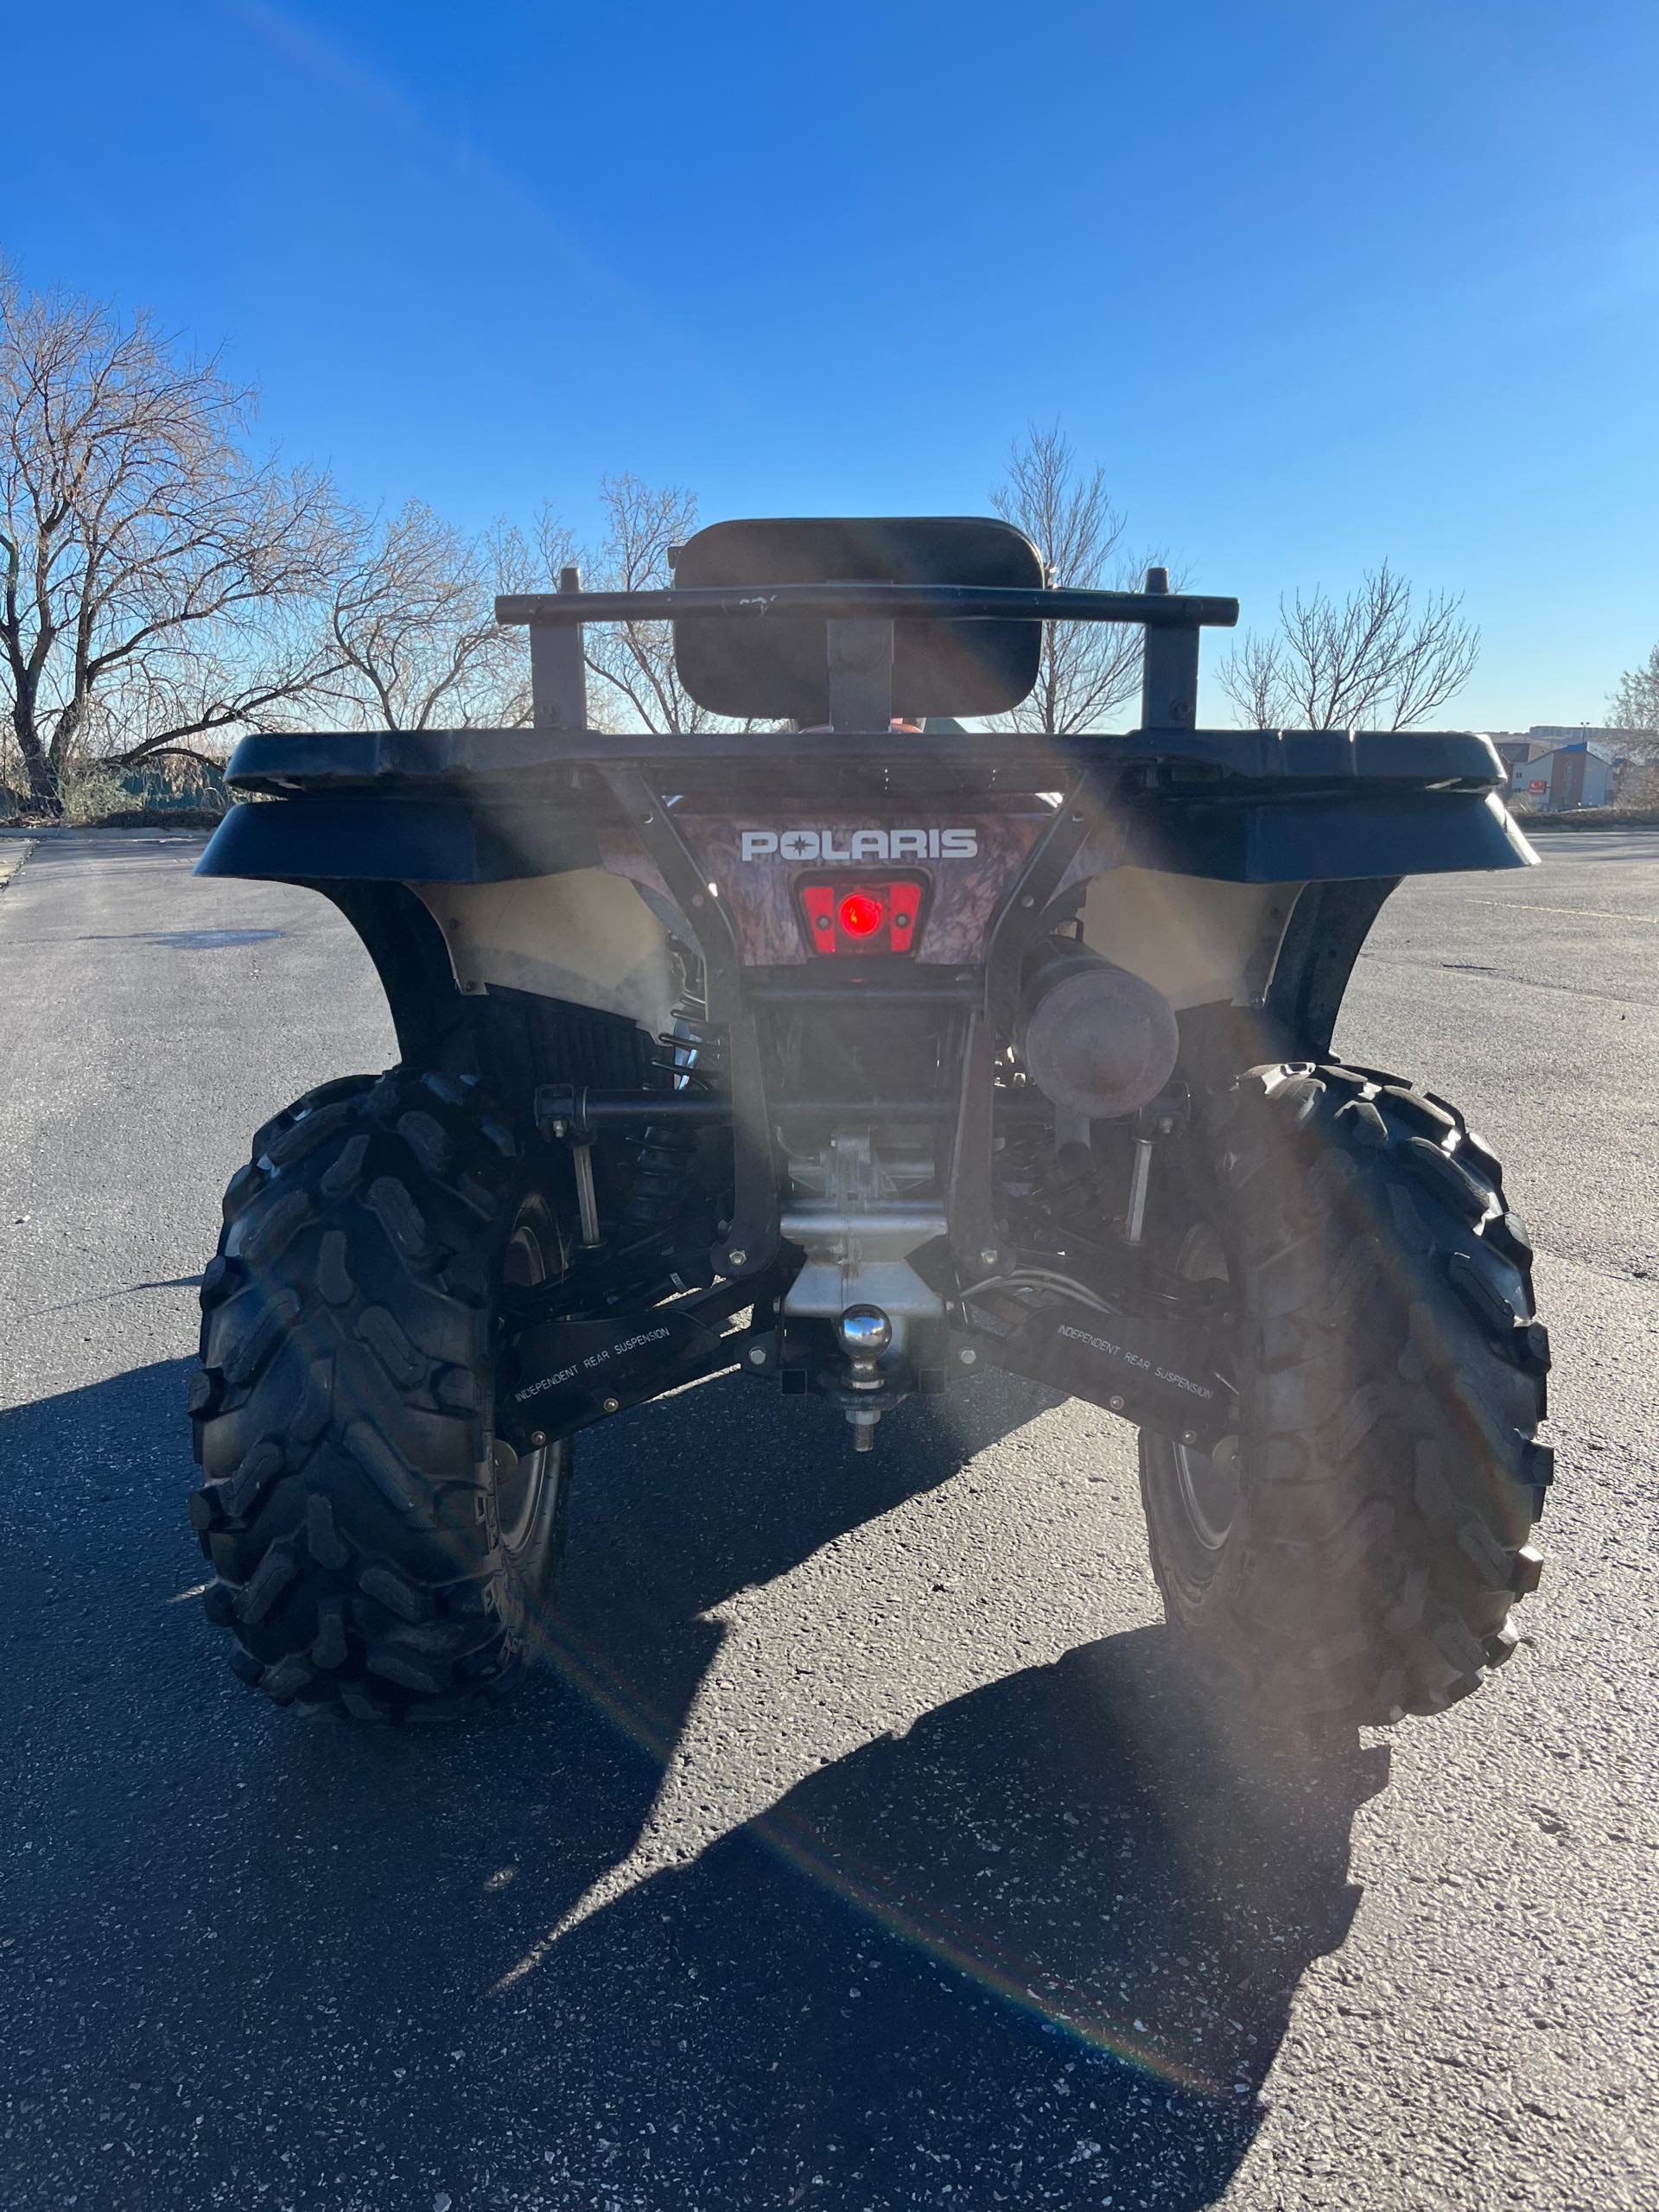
{"type": "Point", "coordinates": [1094, 1038]}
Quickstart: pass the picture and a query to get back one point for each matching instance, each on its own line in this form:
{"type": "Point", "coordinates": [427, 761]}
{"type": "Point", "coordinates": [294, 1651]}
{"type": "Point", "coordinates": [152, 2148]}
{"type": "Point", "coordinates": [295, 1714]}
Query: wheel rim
{"type": "Point", "coordinates": [1209, 1493]}
{"type": "Point", "coordinates": [1207, 1482]}
{"type": "Point", "coordinates": [532, 1256]}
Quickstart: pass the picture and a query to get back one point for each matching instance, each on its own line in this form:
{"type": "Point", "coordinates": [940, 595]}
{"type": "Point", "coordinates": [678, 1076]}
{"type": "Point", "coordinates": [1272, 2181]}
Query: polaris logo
{"type": "Point", "coordinates": [860, 845]}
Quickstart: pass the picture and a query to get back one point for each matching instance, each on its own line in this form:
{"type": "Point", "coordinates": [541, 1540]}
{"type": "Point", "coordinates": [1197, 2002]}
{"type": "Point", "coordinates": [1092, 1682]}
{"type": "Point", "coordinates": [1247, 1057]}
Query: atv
{"type": "Point", "coordinates": [858, 1053]}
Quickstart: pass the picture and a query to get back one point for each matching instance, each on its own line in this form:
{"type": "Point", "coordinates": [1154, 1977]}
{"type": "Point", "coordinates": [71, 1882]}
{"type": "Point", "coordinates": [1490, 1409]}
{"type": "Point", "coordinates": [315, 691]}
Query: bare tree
{"type": "Point", "coordinates": [1254, 678]}
{"type": "Point", "coordinates": [412, 627]}
{"type": "Point", "coordinates": [637, 686]}
{"type": "Point", "coordinates": [151, 571]}
{"type": "Point", "coordinates": [1635, 705]}
{"type": "Point", "coordinates": [634, 661]}
{"type": "Point", "coordinates": [1634, 711]}
{"type": "Point", "coordinates": [1087, 669]}
{"type": "Point", "coordinates": [1379, 659]}
{"type": "Point", "coordinates": [412, 634]}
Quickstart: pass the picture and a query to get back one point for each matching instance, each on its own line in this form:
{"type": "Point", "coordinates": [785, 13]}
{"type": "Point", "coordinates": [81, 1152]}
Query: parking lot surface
{"type": "Point", "coordinates": [872, 1844]}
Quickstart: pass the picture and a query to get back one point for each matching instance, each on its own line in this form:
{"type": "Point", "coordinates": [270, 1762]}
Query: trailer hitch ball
{"type": "Point", "coordinates": [865, 1332]}
{"type": "Point", "coordinates": [1094, 1037]}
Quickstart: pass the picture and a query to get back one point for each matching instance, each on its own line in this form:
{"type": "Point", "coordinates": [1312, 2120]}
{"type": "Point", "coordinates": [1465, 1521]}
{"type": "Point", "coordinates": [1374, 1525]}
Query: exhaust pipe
{"type": "Point", "coordinates": [1094, 1038]}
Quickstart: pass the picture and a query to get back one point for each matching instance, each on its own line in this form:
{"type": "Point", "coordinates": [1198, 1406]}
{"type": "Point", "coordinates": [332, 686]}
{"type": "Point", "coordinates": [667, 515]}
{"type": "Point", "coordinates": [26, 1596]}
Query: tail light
{"type": "Point", "coordinates": [865, 914]}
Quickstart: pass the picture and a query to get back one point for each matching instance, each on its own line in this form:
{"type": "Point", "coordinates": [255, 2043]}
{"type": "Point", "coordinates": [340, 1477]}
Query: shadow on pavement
{"type": "Point", "coordinates": [1039, 1950]}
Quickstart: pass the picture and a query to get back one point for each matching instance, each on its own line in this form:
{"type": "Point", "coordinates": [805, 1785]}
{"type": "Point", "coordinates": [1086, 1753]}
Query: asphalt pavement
{"type": "Point", "coordinates": [872, 1843]}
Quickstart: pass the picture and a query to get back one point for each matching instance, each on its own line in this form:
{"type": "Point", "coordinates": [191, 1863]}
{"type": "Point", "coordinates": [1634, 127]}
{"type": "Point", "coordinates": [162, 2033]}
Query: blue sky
{"type": "Point", "coordinates": [1318, 283]}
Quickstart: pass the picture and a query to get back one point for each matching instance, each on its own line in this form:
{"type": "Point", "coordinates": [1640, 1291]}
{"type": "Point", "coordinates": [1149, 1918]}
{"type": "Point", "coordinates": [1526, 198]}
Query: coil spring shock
{"type": "Point", "coordinates": [660, 1179]}
{"type": "Point", "coordinates": [1053, 1190]}
{"type": "Point", "coordinates": [1016, 1162]}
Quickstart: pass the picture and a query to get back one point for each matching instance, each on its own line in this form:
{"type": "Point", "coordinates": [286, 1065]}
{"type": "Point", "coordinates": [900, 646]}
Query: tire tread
{"type": "Point", "coordinates": [1391, 1474]}
{"type": "Point", "coordinates": [339, 1404]}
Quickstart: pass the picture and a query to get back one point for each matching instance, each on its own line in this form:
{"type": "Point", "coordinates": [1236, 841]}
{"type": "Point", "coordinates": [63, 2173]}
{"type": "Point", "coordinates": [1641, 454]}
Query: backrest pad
{"type": "Point", "coordinates": [778, 667]}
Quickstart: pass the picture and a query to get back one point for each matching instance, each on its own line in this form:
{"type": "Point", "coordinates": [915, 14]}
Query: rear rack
{"type": "Point", "coordinates": [1157, 606]}
{"type": "Point", "coordinates": [522, 769]}
{"type": "Point", "coordinates": [858, 620]}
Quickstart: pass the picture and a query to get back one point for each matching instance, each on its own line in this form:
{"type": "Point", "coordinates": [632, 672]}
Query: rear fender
{"type": "Point", "coordinates": [585, 936]}
{"type": "Point", "coordinates": [1253, 899]}
{"type": "Point", "coordinates": [455, 903]}
{"type": "Point", "coordinates": [1194, 939]}
{"type": "Point", "coordinates": [1256, 971]}
{"type": "Point", "coordinates": [1292, 1013]}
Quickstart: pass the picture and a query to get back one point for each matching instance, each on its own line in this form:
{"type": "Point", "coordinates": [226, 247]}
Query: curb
{"type": "Point", "coordinates": [80, 833]}
{"type": "Point", "coordinates": [1585, 820]}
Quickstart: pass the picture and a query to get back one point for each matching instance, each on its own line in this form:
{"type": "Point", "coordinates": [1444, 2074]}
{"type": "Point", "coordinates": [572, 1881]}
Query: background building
{"type": "Point", "coordinates": [1554, 766]}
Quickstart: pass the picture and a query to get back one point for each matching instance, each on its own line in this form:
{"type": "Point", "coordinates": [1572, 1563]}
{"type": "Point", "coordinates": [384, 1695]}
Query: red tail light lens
{"type": "Point", "coordinates": [866, 916]}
